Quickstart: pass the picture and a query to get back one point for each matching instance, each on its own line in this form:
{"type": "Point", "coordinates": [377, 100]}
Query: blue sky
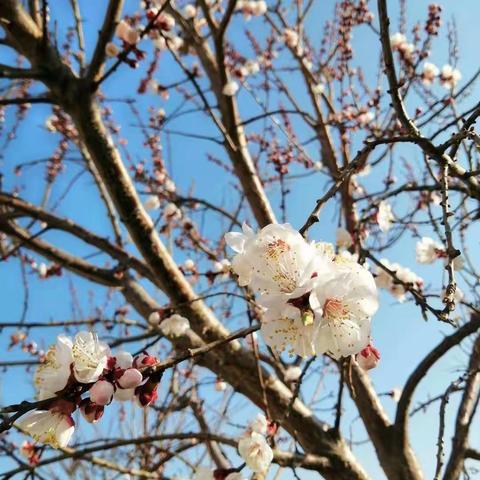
{"type": "Point", "coordinates": [399, 331]}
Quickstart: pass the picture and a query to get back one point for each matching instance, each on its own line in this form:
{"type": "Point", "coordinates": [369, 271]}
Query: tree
{"type": "Point", "coordinates": [280, 101]}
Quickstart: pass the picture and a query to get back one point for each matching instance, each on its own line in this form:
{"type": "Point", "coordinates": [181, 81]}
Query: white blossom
{"type": "Point", "coordinates": [174, 326]}
{"type": "Point", "coordinates": [427, 250]}
{"type": "Point", "coordinates": [318, 166]}
{"type": "Point", "coordinates": [430, 72]}
{"type": "Point", "coordinates": [365, 118]}
{"type": "Point", "coordinates": [47, 426]}
{"type": "Point", "coordinates": [291, 37]}
{"type": "Point", "coordinates": [189, 11]}
{"type": "Point", "coordinates": [52, 375]}
{"type": "Point", "coordinates": [345, 302]}
{"type": "Point", "coordinates": [277, 260]}
{"type": "Point", "coordinates": [220, 385]}
{"type": "Point", "coordinates": [450, 76]}
{"type": "Point", "coordinates": [384, 280]}
{"type": "Point", "coordinates": [385, 216]}
{"type": "Point", "coordinates": [258, 7]}
{"type": "Point", "coordinates": [42, 270]}
{"type": "Point", "coordinates": [287, 329]}
{"type": "Point", "coordinates": [125, 32]}
{"type": "Point", "coordinates": [256, 452]}
{"type": "Point", "coordinates": [222, 266]}
{"type": "Point", "coordinates": [90, 357]}
{"type": "Point", "coordinates": [397, 40]}
{"type": "Point", "coordinates": [230, 88]}
{"type": "Point", "coordinates": [166, 21]}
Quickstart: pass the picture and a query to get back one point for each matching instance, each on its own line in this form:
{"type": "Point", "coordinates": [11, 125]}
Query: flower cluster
{"type": "Point", "coordinates": [315, 301]}
{"type": "Point", "coordinates": [253, 446]}
{"type": "Point", "coordinates": [73, 367]}
{"type": "Point", "coordinates": [397, 286]}
{"type": "Point", "coordinates": [251, 9]}
{"type": "Point", "coordinates": [428, 250]}
{"type": "Point", "coordinates": [399, 43]}
{"type": "Point", "coordinates": [448, 76]}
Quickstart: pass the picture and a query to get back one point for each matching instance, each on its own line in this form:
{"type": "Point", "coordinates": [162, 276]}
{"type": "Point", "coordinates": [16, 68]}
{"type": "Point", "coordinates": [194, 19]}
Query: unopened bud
{"type": "Point", "coordinates": [101, 392]}
{"type": "Point", "coordinates": [131, 378]}
{"type": "Point", "coordinates": [90, 411]}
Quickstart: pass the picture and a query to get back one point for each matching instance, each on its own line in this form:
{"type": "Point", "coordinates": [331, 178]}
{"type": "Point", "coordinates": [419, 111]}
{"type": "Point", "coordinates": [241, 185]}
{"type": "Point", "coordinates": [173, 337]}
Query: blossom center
{"type": "Point", "coordinates": [276, 248]}
{"type": "Point", "coordinates": [334, 309]}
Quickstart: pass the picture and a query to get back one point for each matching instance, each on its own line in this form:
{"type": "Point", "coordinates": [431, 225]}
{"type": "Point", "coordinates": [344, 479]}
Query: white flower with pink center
{"type": "Point", "coordinates": [287, 329]}
{"type": "Point", "coordinates": [230, 88]}
{"type": "Point", "coordinates": [344, 304]}
{"type": "Point", "coordinates": [276, 260]}
{"type": "Point", "coordinates": [90, 357]}
{"type": "Point", "coordinates": [52, 375]}
{"type": "Point", "coordinates": [256, 452]}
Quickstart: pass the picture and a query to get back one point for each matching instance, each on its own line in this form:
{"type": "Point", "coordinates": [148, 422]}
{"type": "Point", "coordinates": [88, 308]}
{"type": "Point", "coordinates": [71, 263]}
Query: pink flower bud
{"type": "Point", "coordinates": [368, 358]}
{"type": "Point", "coordinates": [122, 30]}
{"type": "Point", "coordinates": [144, 360]}
{"type": "Point", "coordinates": [90, 411]}
{"type": "Point", "coordinates": [131, 378]}
{"type": "Point", "coordinates": [123, 360]}
{"type": "Point", "coordinates": [101, 392]}
{"type": "Point", "coordinates": [146, 394]}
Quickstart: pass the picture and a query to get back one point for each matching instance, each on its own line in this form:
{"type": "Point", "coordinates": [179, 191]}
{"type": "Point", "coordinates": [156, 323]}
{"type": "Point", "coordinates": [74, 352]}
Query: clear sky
{"type": "Point", "coordinates": [399, 330]}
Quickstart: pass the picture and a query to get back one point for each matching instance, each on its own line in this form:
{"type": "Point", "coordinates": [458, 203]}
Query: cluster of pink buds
{"type": "Point", "coordinates": [122, 380]}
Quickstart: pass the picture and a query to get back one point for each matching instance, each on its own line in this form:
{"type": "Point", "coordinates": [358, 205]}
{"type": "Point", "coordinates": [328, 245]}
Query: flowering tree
{"type": "Point", "coordinates": [183, 280]}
